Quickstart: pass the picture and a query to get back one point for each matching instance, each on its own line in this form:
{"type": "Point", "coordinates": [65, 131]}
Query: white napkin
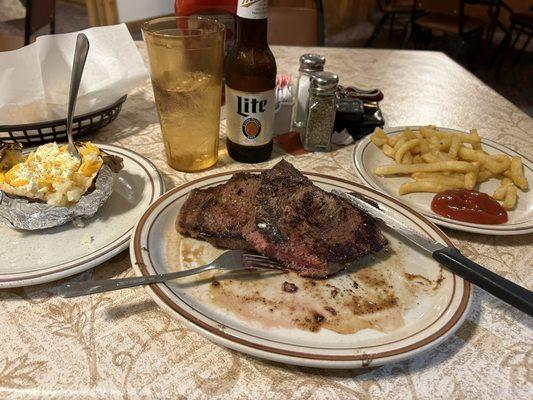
{"type": "Point", "coordinates": [34, 80]}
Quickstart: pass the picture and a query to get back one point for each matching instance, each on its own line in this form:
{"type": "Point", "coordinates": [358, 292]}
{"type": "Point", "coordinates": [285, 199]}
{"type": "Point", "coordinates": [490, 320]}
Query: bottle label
{"type": "Point", "coordinates": [252, 9]}
{"type": "Point", "coordinates": [250, 116]}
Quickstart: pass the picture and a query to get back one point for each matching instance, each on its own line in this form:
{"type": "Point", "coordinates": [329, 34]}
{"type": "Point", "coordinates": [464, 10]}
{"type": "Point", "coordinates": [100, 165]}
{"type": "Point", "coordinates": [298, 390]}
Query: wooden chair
{"type": "Point", "coordinates": [296, 26]}
{"type": "Point", "coordinates": [11, 42]}
{"type": "Point", "coordinates": [390, 9]}
{"type": "Point", "coordinates": [39, 13]}
{"type": "Point", "coordinates": [447, 17]}
{"type": "Point", "coordinates": [102, 12]}
{"type": "Point", "coordinates": [521, 23]}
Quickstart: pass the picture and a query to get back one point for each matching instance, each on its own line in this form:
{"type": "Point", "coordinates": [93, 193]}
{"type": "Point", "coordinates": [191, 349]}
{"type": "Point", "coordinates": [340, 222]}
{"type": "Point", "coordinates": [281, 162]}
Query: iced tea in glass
{"type": "Point", "coordinates": [186, 60]}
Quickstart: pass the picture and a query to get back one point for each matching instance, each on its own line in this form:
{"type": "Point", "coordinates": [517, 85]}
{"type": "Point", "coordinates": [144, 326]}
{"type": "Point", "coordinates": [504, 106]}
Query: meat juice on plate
{"type": "Point", "coordinates": [186, 108]}
{"type": "Point", "coordinates": [373, 295]}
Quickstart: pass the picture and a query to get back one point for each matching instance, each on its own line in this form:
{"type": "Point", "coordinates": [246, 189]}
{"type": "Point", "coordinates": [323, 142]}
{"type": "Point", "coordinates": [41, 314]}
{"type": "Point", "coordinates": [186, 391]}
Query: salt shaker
{"type": "Point", "coordinates": [309, 64]}
{"type": "Point", "coordinates": [321, 111]}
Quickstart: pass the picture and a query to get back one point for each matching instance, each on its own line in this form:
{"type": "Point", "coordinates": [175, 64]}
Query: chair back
{"type": "Point", "coordinates": [454, 8]}
{"type": "Point", "coordinates": [10, 42]}
{"type": "Point", "coordinates": [292, 26]}
{"type": "Point", "coordinates": [396, 3]}
{"type": "Point", "coordinates": [446, 7]}
{"type": "Point", "coordinates": [39, 13]}
{"type": "Point", "coordinates": [296, 22]}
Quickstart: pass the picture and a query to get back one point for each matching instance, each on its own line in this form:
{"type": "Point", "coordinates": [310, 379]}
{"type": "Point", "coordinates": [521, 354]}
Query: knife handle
{"type": "Point", "coordinates": [498, 286]}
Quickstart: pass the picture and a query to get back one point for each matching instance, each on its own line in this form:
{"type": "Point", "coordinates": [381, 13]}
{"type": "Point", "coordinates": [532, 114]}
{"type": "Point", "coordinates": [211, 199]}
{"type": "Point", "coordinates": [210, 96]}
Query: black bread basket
{"type": "Point", "coordinates": [55, 131]}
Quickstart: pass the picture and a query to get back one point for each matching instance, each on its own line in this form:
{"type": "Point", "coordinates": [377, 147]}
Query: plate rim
{"type": "Point", "coordinates": [357, 161]}
{"type": "Point", "coordinates": [156, 292]}
{"type": "Point", "coordinates": [63, 270]}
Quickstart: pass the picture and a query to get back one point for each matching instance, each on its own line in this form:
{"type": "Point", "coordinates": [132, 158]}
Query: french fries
{"type": "Point", "coordinates": [379, 138]}
{"type": "Point", "coordinates": [509, 201]}
{"type": "Point", "coordinates": [501, 191]}
{"type": "Point", "coordinates": [426, 186]}
{"type": "Point", "coordinates": [392, 140]}
{"type": "Point", "coordinates": [456, 166]}
{"type": "Point", "coordinates": [494, 164]}
{"type": "Point", "coordinates": [476, 143]}
{"type": "Point", "coordinates": [405, 148]}
{"type": "Point", "coordinates": [424, 147]}
{"type": "Point", "coordinates": [408, 134]}
{"type": "Point", "coordinates": [517, 173]}
{"type": "Point", "coordinates": [484, 175]}
{"type": "Point", "coordinates": [388, 150]}
{"type": "Point", "coordinates": [439, 161]}
{"type": "Point", "coordinates": [454, 147]}
{"type": "Point", "coordinates": [399, 144]}
{"type": "Point", "coordinates": [430, 158]}
{"type": "Point", "coordinates": [407, 158]}
{"type": "Point", "coordinates": [470, 180]}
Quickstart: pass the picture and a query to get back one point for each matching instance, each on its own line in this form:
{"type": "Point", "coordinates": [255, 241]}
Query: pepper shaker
{"type": "Point", "coordinates": [309, 64]}
{"type": "Point", "coordinates": [321, 110]}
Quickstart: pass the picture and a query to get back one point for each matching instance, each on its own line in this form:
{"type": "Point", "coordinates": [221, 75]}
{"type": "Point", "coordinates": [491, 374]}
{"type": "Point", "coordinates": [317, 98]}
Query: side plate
{"type": "Point", "coordinates": [31, 258]}
{"type": "Point", "coordinates": [367, 156]}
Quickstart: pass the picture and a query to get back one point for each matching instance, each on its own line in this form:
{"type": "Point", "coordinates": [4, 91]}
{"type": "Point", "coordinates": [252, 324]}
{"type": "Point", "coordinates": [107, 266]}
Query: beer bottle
{"type": "Point", "coordinates": [250, 86]}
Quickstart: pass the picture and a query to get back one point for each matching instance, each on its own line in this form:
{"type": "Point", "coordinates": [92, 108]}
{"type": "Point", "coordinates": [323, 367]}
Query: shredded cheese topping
{"type": "Point", "coordinates": [52, 174]}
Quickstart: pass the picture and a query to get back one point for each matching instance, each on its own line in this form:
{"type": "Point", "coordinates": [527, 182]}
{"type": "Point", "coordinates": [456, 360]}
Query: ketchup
{"type": "Point", "coordinates": [469, 206]}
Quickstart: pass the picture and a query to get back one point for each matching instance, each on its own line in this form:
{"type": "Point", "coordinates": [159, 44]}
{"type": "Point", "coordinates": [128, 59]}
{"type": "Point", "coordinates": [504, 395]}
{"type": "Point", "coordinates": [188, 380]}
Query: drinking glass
{"type": "Point", "coordinates": [186, 60]}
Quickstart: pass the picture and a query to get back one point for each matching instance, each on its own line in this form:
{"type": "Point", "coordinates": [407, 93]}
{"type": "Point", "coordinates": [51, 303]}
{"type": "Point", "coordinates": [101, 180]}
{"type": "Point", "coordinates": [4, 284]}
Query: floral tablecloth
{"type": "Point", "coordinates": [120, 345]}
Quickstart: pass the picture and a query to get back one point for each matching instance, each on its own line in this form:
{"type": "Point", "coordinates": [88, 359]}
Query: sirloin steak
{"type": "Point", "coordinates": [218, 214]}
{"type": "Point", "coordinates": [283, 215]}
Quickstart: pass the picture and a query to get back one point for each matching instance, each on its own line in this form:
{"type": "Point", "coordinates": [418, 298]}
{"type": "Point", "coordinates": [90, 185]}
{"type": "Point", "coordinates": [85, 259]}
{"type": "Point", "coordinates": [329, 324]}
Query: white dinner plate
{"type": "Point", "coordinates": [33, 257]}
{"type": "Point", "coordinates": [367, 156]}
{"type": "Point", "coordinates": [386, 308]}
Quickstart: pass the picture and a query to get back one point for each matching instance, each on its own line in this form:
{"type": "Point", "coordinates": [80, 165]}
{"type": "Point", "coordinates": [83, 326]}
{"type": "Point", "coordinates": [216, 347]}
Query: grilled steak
{"type": "Point", "coordinates": [281, 214]}
{"type": "Point", "coordinates": [307, 229]}
{"type": "Point", "coordinates": [218, 214]}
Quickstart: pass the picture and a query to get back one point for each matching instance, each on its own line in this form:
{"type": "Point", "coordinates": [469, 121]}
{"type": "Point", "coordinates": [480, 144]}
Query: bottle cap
{"type": "Point", "coordinates": [312, 62]}
{"type": "Point", "coordinates": [324, 82]}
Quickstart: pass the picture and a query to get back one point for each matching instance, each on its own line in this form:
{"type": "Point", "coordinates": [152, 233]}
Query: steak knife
{"type": "Point", "coordinates": [504, 289]}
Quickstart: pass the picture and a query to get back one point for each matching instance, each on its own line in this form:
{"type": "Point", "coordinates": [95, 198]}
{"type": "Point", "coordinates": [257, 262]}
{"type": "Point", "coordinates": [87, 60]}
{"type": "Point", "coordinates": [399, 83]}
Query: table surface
{"type": "Point", "coordinates": [120, 345]}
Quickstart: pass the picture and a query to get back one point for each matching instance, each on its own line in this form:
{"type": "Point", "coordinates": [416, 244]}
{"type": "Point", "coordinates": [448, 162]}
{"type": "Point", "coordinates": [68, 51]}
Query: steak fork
{"type": "Point", "coordinates": [232, 260]}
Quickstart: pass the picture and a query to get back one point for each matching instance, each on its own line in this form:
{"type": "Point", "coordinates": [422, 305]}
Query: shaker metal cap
{"type": "Point", "coordinates": [310, 62]}
{"type": "Point", "coordinates": [324, 80]}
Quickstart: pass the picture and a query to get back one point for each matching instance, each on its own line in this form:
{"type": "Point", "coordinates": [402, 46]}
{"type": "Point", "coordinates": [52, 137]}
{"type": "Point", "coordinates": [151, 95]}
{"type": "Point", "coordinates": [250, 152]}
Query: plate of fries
{"type": "Point", "coordinates": [414, 163]}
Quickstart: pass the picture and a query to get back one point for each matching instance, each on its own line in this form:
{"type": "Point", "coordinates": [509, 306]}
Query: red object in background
{"type": "Point", "coordinates": [290, 142]}
{"type": "Point", "coordinates": [222, 10]}
{"type": "Point", "coordinates": [469, 206]}
{"type": "Point", "coordinates": [189, 7]}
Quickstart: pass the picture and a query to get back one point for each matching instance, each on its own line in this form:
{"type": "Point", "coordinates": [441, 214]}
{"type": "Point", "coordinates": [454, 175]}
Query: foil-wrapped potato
{"type": "Point", "coordinates": [49, 187]}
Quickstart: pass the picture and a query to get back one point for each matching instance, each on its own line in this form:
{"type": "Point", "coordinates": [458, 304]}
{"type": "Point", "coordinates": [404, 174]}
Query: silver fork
{"type": "Point", "coordinates": [232, 260]}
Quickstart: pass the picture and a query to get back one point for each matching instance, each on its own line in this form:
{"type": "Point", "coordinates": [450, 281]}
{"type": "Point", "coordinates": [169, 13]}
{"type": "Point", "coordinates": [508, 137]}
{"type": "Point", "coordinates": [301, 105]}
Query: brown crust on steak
{"type": "Point", "coordinates": [306, 228]}
{"type": "Point", "coordinates": [218, 214]}
{"type": "Point", "coordinates": [283, 215]}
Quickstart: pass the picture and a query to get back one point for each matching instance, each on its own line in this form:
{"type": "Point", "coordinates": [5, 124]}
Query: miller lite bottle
{"type": "Point", "coordinates": [250, 86]}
